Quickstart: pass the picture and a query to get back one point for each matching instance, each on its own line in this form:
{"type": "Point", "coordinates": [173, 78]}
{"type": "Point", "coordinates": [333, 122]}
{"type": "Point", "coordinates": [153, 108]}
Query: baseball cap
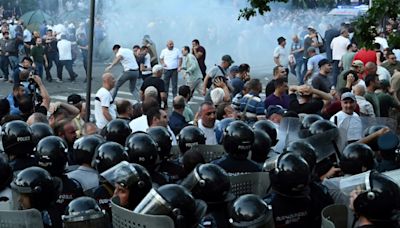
{"type": "Point", "coordinates": [234, 68]}
{"type": "Point", "coordinates": [323, 62]}
{"type": "Point", "coordinates": [227, 58]}
{"type": "Point", "coordinates": [357, 63]}
{"type": "Point", "coordinates": [348, 95]}
{"type": "Point", "coordinates": [310, 27]}
{"type": "Point", "coordinates": [74, 99]}
{"type": "Point", "coordinates": [275, 109]}
{"type": "Point", "coordinates": [281, 39]}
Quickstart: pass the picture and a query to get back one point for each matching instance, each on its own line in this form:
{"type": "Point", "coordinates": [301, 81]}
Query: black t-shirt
{"type": "Point", "coordinates": [313, 107]}
{"type": "Point", "coordinates": [321, 82]}
{"type": "Point", "coordinates": [158, 83]}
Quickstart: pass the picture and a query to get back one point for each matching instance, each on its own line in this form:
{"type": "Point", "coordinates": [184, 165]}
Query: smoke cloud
{"type": "Point", "coordinates": [213, 22]}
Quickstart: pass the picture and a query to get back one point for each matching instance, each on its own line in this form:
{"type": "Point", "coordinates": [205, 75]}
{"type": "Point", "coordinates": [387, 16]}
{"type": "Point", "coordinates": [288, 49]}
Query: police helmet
{"type": "Point", "coordinates": [219, 130]}
{"type": "Point", "coordinates": [84, 148]}
{"type": "Point", "coordinates": [174, 201]}
{"type": "Point", "coordinates": [268, 127]}
{"type": "Point", "coordinates": [117, 131]}
{"type": "Point", "coordinates": [370, 130]}
{"type": "Point", "coordinates": [321, 126]}
{"type": "Point", "coordinates": [164, 140]}
{"type": "Point", "coordinates": [210, 183]}
{"type": "Point", "coordinates": [250, 211]}
{"type": "Point", "coordinates": [305, 150]}
{"type": "Point", "coordinates": [6, 173]}
{"type": "Point", "coordinates": [51, 153]}
{"type": "Point", "coordinates": [261, 146]}
{"type": "Point", "coordinates": [39, 131]}
{"type": "Point", "coordinates": [306, 123]}
{"type": "Point", "coordinates": [17, 139]}
{"type": "Point", "coordinates": [357, 158]}
{"type": "Point", "coordinates": [38, 185]}
{"type": "Point", "coordinates": [107, 155]}
{"type": "Point", "coordinates": [189, 136]}
{"type": "Point", "coordinates": [291, 175]}
{"type": "Point", "coordinates": [380, 198]}
{"type": "Point", "coordinates": [142, 149]}
{"type": "Point", "coordinates": [238, 139]}
{"type": "Point", "coordinates": [84, 211]}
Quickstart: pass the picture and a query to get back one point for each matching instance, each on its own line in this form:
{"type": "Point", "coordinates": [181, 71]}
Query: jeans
{"type": "Point", "coordinates": [335, 71]}
{"type": "Point", "coordinates": [68, 66]}
{"type": "Point", "coordinates": [4, 66]}
{"type": "Point", "coordinates": [298, 71]}
{"type": "Point", "coordinates": [50, 59]}
{"type": "Point", "coordinates": [39, 69]}
{"type": "Point", "coordinates": [168, 75]}
{"type": "Point", "coordinates": [132, 76]}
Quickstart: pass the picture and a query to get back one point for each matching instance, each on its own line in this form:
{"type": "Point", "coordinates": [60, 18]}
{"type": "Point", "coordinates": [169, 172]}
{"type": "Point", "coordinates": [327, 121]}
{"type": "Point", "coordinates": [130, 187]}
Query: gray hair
{"type": "Point", "coordinates": [157, 68]}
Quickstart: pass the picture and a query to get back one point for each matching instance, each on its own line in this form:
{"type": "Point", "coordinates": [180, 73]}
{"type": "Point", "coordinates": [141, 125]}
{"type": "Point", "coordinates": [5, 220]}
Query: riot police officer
{"type": "Point", "coordinates": [388, 152]}
{"type": "Point", "coordinates": [38, 190]}
{"type": "Point", "coordinates": [143, 150]}
{"type": "Point", "coordinates": [18, 144]}
{"type": "Point", "coordinates": [131, 181]}
{"type": "Point", "coordinates": [39, 131]}
{"type": "Point", "coordinates": [250, 211]}
{"type": "Point", "coordinates": [237, 142]}
{"type": "Point", "coordinates": [51, 153]}
{"type": "Point", "coordinates": [117, 131]}
{"type": "Point", "coordinates": [211, 183]}
{"type": "Point", "coordinates": [6, 197]}
{"type": "Point", "coordinates": [261, 147]}
{"type": "Point", "coordinates": [174, 201]}
{"type": "Point", "coordinates": [268, 127]}
{"type": "Point", "coordinates": [164, 141]}
{"type": "Point", "coordinates": [83, 152]}
{"type": "Point", "coordinates": [84, 212]}
{"type": "Point", "coordinates": [107, 155]}
{"type": "Point", "coordinates": [378, 204]}
{"type": "Point", "coordinates": [291, 204]}
{"type": "Point", "coordinates": [306, 123]}
{"type": "Point", "coordinates": [189, 136]}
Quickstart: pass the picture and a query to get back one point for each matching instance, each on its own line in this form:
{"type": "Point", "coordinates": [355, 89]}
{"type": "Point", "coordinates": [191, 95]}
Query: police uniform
{"type": "Point", "coordinates": [231, 165]}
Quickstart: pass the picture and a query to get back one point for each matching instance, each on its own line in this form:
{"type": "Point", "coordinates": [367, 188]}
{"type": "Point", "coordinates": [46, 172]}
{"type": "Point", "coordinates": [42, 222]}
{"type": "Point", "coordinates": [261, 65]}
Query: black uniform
{"type": "Point", "coordinates": [217, 215]}
{"type": "Point", "coordinates": [22, 163]}
{"type": "Point", "coordinates": [71, 189]}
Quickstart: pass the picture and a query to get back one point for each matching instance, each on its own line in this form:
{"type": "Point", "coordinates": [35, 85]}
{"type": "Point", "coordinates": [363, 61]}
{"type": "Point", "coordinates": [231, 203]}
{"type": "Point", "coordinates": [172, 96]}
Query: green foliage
{"type": "Point", "coordinates": [366, 26]}
{"type": "Point", "coordinates": [257, 7]}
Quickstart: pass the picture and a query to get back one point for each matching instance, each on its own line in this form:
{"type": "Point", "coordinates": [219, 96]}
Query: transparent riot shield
{"type": "Point", "coordinates": [370, 121]}
{"type": "Point", "coordinates": [288, 131]}
{"type": "Point", "coordinates": [209, 152]}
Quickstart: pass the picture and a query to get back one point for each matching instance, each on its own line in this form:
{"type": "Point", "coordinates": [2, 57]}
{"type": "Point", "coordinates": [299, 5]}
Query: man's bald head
{"type": "Point", "coordinates": [108, 81]}
{"type": "Point", "coordinates": [371, 67]}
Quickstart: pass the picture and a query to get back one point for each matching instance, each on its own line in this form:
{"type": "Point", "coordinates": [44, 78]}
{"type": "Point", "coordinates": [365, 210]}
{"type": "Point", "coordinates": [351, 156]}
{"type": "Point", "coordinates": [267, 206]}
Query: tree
{"type": "Point", "coordinates": [257, 7]}
{"type": "Point", "coordinates": [366, 27]}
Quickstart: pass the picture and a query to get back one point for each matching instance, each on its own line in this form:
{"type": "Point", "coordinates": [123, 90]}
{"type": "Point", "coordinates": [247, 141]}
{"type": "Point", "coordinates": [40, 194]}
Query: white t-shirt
{"type": "Point", "coordinates": [211, 139]}
{"type": "Point", "coordinates": [383, 73]}
{"type": "Point", "coordinates": [27, 36]}
{"type": "Point", "coordinates": [128, 59]}
{"type": "Point", "coordinates": [282, 54]}
{"type": "Point", "coordinates": [171, 58]}
{"type": "Point", "coordinates": [105, 100]}
{"type": "Point", "coordinates": [350, 123]}
{"type": "Point", "coordinates": [139, 124]}
{"type": "Point", "coordinates": [339, 47]}
{"type": "Point", "coordinates": [64, 49]}
{"type": "Point", "coordinates": [147, 64]}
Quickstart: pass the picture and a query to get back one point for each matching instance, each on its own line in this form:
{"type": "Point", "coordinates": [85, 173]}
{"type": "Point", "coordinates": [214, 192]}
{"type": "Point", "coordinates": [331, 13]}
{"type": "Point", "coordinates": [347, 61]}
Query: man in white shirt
{"type": "Point", "coordinates": [207, 122]}
{"type": "Point", "coordinates": [104, 107]}
{"type": "Point", "coordinates": [339, 48]}
{"type": "Point", "coordinates": [126, 57]}
{"type": "Point", "coordinates": [347, 119]}
{"type": "Point", "coordinates": [64, 47]}
{"type": "Point", "coordinates": [281, 56]}
{"type": "Point", "coordinates": [171, 60]}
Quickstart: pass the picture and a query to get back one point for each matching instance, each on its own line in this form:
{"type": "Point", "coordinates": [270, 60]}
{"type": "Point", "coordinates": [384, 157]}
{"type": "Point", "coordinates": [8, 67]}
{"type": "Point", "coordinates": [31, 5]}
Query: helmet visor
{"type": "Point", "coordinates": [153, 204]}
{"type": "Point", "coordinates": [119, 173]}
{"type": "Point", "coordinates": [358, 182]}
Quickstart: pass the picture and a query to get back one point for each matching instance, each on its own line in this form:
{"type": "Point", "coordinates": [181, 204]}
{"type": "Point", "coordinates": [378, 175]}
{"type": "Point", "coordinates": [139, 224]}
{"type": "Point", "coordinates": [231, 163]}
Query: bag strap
{"type": "Point", "coordinates": [245, 108]}
{"type": "Point", "coordinates": [220, 68]}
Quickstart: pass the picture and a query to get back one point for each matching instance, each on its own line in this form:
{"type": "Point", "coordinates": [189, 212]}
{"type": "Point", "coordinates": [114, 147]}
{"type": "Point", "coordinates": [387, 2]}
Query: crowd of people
{"type": "Point", "coordinates": [329, 138]}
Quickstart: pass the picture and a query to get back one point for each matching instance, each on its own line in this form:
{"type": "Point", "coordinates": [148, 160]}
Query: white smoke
{"type": "Point", "coordinates": [213, 22]}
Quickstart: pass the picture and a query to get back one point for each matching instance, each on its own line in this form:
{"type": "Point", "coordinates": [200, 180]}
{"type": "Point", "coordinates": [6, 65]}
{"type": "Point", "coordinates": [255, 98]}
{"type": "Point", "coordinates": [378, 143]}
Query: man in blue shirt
{"type": "Point", "coordinates": [13, 98]}
{"type": "Point", "coordinates": [251, 105]}
{"type": "Point", "coordinates": [176, 119]}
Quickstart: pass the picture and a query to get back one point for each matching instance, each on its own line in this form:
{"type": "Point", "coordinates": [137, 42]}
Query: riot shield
{"type": "Point", "coordinates": [370, 121]}
{"type": "Point", "coordinates": [288, 131]}
{"type": "Point", "coordinates": [328, 143]}
{"type": "Point", "coordinates": [209, 152]}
